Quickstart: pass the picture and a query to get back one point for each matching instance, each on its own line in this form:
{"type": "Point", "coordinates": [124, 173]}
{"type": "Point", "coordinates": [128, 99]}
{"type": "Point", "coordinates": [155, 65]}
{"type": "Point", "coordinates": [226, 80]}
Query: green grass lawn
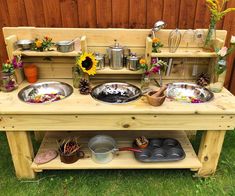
{"type": "Point", "coordinates": [121, 182]}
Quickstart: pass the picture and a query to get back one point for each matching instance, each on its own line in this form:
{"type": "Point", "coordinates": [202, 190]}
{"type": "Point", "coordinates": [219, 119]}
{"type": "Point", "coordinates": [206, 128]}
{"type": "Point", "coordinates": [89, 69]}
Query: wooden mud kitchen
{"type": "Point", "coordinates": [84, 116]}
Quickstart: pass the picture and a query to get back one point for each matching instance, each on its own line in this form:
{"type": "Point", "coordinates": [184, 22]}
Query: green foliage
{"type": "Point", "coordinates": [7, 67]}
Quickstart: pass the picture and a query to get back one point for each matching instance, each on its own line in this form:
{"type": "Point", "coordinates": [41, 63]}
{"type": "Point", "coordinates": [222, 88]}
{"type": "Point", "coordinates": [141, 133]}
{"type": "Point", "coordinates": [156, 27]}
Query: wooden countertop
{"type": "Point", "coordinates": [223, 103]}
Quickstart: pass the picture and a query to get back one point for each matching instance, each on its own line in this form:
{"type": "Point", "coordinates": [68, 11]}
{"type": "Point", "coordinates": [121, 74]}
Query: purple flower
{"type": "Point", "coordinates": [16, 62]}
{"type": "Point", "coordinates": [154, 60]}
{"type": "Point", "coordinates": [155, 69]}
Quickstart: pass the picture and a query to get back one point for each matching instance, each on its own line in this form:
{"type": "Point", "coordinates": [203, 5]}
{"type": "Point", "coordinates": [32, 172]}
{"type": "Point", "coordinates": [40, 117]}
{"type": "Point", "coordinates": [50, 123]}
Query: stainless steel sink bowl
{"type": "Point", "coordinates": [187, 92]}
{"type": "Point", "coordinates": [45, 92]}
{"type": "Point", "coordinates": [116, 92]}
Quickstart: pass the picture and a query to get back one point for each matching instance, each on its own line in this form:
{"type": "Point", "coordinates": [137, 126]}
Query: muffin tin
{"type": "Point", "coordinates": [161, 150]}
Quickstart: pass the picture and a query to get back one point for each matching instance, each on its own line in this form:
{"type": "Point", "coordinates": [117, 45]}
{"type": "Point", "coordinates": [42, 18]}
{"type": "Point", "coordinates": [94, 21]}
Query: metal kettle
{"type": "Point", "coordinates": [116, 54]}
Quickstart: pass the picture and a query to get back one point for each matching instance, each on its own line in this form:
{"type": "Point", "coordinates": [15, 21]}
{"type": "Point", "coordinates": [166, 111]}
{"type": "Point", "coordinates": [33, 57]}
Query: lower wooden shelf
{"type": "Point", "coordinates": [123, 160]}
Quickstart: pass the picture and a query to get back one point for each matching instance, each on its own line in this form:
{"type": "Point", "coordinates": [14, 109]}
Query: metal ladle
{"type": "Point", "coordinates": [157, 27]}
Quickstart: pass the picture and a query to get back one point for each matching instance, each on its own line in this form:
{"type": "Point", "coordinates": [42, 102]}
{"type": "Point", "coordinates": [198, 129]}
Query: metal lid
{"type": "Point", "coordinates": [116, 45]}
{"type": "Point", "coordinates": [99, 56]}
{"type": "Point", "coordinates": [133, 57]}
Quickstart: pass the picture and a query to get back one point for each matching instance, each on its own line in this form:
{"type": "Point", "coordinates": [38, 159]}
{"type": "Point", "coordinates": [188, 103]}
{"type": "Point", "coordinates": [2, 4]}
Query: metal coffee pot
{"type": "Point", "coordinates": [116, 54]}
{"type": "Point", "coordinates": [133, 62]}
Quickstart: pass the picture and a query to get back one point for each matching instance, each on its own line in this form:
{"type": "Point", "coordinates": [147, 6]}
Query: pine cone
{"type": "Point", "coordinates": [203, 79]}
{"type": "Point", "coordinates": [84, 87]}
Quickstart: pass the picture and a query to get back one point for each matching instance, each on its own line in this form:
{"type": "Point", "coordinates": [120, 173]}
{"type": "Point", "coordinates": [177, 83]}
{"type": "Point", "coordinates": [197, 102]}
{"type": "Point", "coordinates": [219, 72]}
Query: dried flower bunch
{"type": "Point", "coordinates": [156, 45]}
{"type": "Point", "coordinates": [69, 146]}
{"type": "Point", "coordinates": [217, 9]}
{"type": "Point", "coordinates": [43, 45]}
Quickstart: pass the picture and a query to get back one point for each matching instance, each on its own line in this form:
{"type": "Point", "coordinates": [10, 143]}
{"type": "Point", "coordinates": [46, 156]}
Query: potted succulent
{"type": "Point", "coordinates": [70, 151]}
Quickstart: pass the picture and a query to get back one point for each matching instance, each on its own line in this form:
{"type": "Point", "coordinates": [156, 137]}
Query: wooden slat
{"type": "Point", "coordinates": [52, 13]}
{"type": "Point", "coordinates": [35, 13]}
{"type": "Point", "coordinates": [87, 13]}
{"type": "Point", "coordinates": [22, 153]}
{"type": "Point", "coordinates": [138, 13]}
{"type": "Point", "coordinates": [155, 11]}
{"type": "Point", "coordinates": [209, 152]}
{"type": "Point", "coordinates": [124, 160]}
{"type": "Point", "coordinates": [100, 37]}
{"type": "Point", "coordinates": [69, 13]}
{"type": "Point", "coordinates": [104, 13]}
{"type": "Point", "coordinates": [17, 13]}
{"type": "Point", "coordinates": [223, 103]}
{"type": "Point", "coordinates": [171, 13]}
{"type": "Point", "coordinates": [229, 24]}
{"type": "Point", "coordinates": [187, 14]}
{"type": "Point", "coordinates": [61, 121]}
{"type": "Point", "coordinates": [4, 21]}
{"type": "Point", "coordinates": [202, 17]}
{"type": "Point", "coordinates": [120, 13]}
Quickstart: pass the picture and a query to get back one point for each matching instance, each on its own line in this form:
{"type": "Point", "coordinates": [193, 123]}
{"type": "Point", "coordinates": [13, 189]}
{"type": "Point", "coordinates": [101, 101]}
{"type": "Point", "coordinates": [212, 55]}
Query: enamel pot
{"type": "Point", "coordinates": [104, 148]}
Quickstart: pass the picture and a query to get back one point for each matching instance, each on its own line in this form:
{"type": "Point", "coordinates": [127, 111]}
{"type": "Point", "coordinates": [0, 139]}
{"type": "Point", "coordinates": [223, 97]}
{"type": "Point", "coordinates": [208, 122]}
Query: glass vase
{"type": "Point", "coordinates": [77, 75]}
{"type": "Point", "coordinates": [19, 73]}
{"type": "Point", "coordinates": [209, 44]}
{"type": "Point", "coordinates": [145, 81]}
{"type": "Point", "coordinates": [8, 82]}
{"type": "Point", "coordinates": [219, 75]}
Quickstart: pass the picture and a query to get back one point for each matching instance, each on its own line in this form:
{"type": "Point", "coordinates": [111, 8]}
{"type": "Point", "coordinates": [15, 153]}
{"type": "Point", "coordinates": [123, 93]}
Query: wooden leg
{"type": "Point", "coordinates": [22, 153]}
{"type": "Point", "coordinates": [209, 152]}
{"type": "Point", "coordinates": [39, 135]}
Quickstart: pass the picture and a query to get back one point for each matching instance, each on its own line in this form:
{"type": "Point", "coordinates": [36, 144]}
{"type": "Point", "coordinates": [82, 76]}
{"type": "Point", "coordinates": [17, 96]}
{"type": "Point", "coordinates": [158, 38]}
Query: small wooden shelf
{"type": "Point", "coordinates": [45, 54]}
{"type": "Point", "coordinates": [124, 160]}
{"type": "Point", "coordinates": [184, 52]}
{"type": "Point", "coordinates": [107, 70]}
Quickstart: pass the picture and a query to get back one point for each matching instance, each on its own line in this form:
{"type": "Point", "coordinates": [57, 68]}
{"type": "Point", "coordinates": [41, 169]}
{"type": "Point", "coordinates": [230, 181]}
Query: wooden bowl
{"type": "Point", "coordinates": [155, 100]}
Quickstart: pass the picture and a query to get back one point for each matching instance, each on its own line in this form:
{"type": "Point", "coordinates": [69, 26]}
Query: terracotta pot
{"type": "Point", "coordinates": [155, 100]}
{"type": "Point", "coordinates": [68, 159]}
{"type": "Point", "coordinates": [31, 73]}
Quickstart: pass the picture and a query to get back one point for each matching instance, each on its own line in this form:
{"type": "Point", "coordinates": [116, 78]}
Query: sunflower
{"type": "Point", "coordinates": [87, 63]}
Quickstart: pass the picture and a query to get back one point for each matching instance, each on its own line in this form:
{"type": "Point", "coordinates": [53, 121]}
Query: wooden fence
{"type": "Point", "coordinates": [185, 14]}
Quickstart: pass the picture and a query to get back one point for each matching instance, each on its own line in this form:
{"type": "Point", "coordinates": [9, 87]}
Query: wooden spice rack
{"type": "Point", "coordinates": [126, 121]}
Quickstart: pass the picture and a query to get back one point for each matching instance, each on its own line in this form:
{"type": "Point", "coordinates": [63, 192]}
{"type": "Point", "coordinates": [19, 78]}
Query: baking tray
{"type": "Point", "coordinates": [161, 150]}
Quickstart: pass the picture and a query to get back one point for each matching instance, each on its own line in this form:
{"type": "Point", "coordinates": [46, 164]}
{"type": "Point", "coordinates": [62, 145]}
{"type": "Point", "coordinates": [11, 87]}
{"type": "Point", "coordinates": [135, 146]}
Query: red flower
{"type": "Point", "coordinates": [155, 69]}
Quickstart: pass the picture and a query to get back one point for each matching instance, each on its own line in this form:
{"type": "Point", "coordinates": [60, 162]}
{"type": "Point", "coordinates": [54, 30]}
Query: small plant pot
{"type": "Point", "coordinates": [72, 158]}
{"type": "Point", "coordinates": [31, 73]}
{"type": "Point", "coordinates": [155, 100]}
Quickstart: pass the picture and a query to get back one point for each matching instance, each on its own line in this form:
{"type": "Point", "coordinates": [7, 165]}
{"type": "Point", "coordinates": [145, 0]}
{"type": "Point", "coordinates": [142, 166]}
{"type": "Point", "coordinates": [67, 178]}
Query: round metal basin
{"type": "Point", "coordinates": [116, 92]}
{"type": "Point", "coordinates": [187, 92]}
{"type": "Point", "coordinates": [45, 92]}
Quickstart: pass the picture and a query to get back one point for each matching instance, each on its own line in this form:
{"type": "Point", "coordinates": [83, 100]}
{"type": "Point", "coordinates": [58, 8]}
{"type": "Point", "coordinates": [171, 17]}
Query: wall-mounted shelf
{"type": "Point", "coordinates": [45, 54]}
{"type": "Point", "coordinates": [107, 70]}
{"type": "Point", "coordinates": [185, 52]}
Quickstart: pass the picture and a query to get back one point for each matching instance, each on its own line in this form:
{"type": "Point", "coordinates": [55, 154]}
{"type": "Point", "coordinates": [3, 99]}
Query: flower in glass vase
{"type": "Point", "coordinates": [156, 45]}
{"type": "Point", "coordinates": [7, 80]}
{"type": "Point", "coordinates": [156, 67]}
{"type": "Point", "coordinates": [218, 11]}
{"type": "Point", "coordinates": [221, 58]}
